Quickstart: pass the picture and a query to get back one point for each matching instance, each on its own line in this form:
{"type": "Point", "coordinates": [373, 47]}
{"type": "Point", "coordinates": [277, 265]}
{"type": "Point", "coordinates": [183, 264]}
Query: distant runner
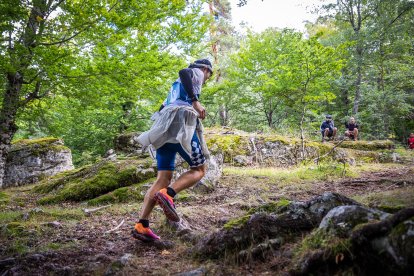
{"type": "Point", "coordinates": [411, 141]}
{"type": "Point", "coordinates": [176, 130]}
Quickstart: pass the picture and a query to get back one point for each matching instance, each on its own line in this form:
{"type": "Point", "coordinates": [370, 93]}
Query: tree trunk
{"type": "Point", "coordinates": [302, 135]}
{"type": "Point", "coordinates": [223, 115]}
{"type": "Point", "coordinates": [7, 118]}
{"type": "Point", "coordinates": [358, 80]}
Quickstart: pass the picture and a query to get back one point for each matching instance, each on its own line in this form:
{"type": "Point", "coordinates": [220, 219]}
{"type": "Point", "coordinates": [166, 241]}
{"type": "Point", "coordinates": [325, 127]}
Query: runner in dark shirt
{"type": "Point", "coordinates": [328, 128]}
{"type": "Point", "coordinates": [352, 129]}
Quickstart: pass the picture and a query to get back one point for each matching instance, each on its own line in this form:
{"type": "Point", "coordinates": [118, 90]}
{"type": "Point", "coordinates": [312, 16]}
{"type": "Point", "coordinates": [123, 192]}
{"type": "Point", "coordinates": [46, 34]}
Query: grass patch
{"type": "Point", "coordinates": [9, 216]}
{"type": "Point", "coordinates": [4, 198]}
{"type": "Point", "coordinates": [298, 174]}
{"type": "Point", "coordinates": [389, 201]}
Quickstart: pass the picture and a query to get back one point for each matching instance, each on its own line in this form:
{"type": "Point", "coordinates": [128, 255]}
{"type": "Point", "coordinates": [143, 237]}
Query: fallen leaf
{"type": "Point", "coordinates": [165, 252]}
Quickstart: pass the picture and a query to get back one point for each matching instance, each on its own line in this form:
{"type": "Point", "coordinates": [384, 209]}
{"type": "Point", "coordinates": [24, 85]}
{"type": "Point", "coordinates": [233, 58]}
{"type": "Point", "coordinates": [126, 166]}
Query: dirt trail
{"type": "Point", "coordinates": [91, 251]}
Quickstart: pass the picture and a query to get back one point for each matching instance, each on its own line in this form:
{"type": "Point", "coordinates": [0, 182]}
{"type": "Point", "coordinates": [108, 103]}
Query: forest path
{"type": "Point", "coordinates": [86, 245]}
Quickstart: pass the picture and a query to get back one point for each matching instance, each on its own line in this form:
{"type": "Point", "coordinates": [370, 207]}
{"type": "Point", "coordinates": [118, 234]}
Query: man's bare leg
{"type": "Point", "coordinates": [189, 178]}
{"type": "Point", "coordinates": [355, 134]}
{"type": "Point", "coordinates": [163, 181]}
{"type": "Point", "coordinates": [334, 133]}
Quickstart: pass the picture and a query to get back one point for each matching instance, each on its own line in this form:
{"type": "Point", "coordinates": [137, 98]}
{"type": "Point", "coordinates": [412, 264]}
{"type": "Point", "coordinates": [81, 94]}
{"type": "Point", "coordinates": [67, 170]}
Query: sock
{"type": "Point", "coordinates": [171, 192]}
{"type": "Point", "coordinates": [144, 222]}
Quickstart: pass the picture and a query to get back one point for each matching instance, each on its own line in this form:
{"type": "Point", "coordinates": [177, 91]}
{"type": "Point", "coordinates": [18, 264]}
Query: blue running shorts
{"type": "Point", "coordinates": [166, 155]}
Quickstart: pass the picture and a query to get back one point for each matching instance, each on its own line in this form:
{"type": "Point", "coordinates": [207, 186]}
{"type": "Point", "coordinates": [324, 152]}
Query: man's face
{"type": "Point", "coordinates": [352, 121]}
{"type": "Point", "coordinates": [328, 119]}
{"type": "Point", "coordinates": [207, 74]}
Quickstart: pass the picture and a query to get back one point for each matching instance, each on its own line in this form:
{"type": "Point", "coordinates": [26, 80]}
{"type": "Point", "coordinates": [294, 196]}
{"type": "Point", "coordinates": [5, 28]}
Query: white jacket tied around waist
{"type": "Point", "coordinates": [175, 124]}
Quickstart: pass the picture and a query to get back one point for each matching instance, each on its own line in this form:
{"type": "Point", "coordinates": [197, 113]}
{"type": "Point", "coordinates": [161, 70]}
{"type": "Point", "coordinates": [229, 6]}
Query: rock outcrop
{"type": "Point", "coordinates": [341, 237]}
{"type": "Point", "coordinates": [31, 160]}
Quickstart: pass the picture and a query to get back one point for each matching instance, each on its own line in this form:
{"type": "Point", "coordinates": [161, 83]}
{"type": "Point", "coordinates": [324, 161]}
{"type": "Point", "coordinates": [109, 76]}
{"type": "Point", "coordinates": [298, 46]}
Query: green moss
{"type": "Point", "coordinates": [59, 180]}
{"type": "Point", "coordinates": [271, 207]}
{"type": "Point", "coordinates": [230, 145]}
{"type": "Point", "coordinates": [368, 145]}
{"type": "Point", "coordinates": [237, 222]}
{"type": "Point", "coordinates": [184, 196]}
{"type": "Point", "coordinates": [122, 195]}
{"type": "Point", "coordinates": [320, 239]}
{"type": "Point", "coordinates": [402, 229]}
{"type": "Point", "coordinates": [278, 138]}
{"type": "Point", "coordinates": [98, 180]}
{"type": "Point", "coordinates": [39, 146]}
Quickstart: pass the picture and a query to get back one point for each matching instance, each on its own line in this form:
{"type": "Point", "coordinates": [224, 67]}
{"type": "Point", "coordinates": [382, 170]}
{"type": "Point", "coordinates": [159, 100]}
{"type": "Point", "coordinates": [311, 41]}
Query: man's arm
{"type": "Point", "coordinates": [186, 76]}
{"type": "Point", "coordinates": [186, 80]}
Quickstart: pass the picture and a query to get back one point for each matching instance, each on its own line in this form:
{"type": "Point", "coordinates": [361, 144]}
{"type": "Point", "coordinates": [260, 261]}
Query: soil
{"type": "Point", "coordinates": [87, 248]}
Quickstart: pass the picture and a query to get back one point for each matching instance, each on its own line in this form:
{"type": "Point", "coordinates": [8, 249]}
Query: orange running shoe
{"type": "Point", "coordinates": [167, 204]}
{"type": "Point", "coordinates": [144, 234]}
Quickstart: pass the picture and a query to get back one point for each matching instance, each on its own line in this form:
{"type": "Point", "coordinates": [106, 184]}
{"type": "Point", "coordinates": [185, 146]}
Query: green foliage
{"type": "Point", "coordinates": [90, 70]}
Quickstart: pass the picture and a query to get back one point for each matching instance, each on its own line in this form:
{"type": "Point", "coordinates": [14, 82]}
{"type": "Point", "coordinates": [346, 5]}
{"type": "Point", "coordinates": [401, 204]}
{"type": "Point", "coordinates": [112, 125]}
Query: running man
{"type": "Point", "coordinates": [176, 130]}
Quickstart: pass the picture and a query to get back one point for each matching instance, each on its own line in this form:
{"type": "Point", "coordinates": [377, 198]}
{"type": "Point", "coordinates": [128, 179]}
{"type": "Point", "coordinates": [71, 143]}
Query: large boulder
{"type": "Point", "coordinates": [356, 240]}
{"type": "Point", "coordinates": [31, 160]}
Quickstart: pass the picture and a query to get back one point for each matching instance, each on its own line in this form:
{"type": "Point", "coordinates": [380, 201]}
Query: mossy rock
{"type": "Point", "coordinates": [93, 181]}
{"type": "Point", "coordinates": [38, 146]}
{"type": "Point", "coordinates": [122, 195]}
{"type": "Point", "coordinates": [229, 145]}
{"type": "Point", "coordinates": [368, 145]}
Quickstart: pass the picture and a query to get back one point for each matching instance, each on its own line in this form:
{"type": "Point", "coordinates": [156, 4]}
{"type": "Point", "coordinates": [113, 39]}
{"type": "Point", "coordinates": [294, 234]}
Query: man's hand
{"type": "Point", "coordinates": [200, 109]}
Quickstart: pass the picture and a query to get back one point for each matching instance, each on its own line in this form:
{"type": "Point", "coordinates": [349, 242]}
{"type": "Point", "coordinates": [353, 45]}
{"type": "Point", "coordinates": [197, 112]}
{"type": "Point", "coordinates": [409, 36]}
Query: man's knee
{"type": "Point", "coordinates": [200, 171]}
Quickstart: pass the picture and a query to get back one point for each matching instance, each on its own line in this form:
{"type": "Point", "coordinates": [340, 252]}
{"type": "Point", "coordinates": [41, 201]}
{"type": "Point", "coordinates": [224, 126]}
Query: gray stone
{"type": "Point", "coordinates": [342, 219]}
{"type": "Point", "coordinates": [241, 160]}
{"type": "Point", "coordinates": [127, 143]}
{"type": "Point", "coordinates": [196, 272]}
{"type": "Point", "coordinates": [31, 160]}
